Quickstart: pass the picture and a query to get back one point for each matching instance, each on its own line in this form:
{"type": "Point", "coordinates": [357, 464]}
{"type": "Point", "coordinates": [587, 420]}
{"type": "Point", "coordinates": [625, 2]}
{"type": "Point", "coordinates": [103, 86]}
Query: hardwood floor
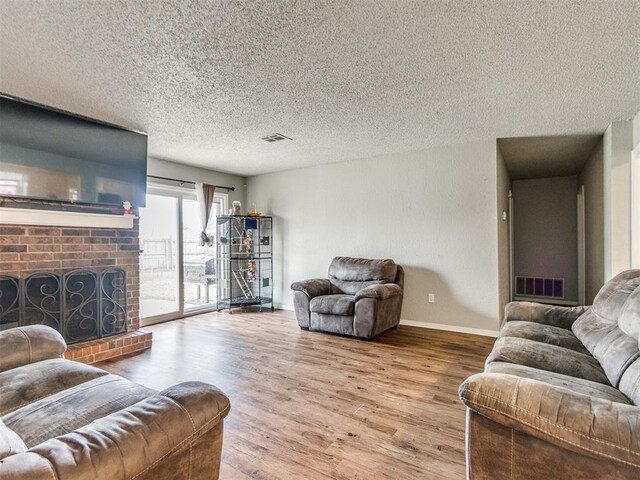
{"type": "Point", "coordinates": [308, 405]}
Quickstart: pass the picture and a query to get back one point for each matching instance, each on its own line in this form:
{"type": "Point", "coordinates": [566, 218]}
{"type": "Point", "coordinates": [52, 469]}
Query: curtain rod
{"type": "Point", "coordinates": [182, 182]}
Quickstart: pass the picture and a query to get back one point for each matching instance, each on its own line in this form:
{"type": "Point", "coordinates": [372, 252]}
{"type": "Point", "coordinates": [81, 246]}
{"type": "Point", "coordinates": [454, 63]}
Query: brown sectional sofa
{"type": "Point", "coordinates": [560, 396]}
{"type": "Point", "coordinates": [67, 421]}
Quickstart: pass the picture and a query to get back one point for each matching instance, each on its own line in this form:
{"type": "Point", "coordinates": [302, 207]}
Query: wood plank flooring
{"type": "Point", "coordinates": [307, 405]}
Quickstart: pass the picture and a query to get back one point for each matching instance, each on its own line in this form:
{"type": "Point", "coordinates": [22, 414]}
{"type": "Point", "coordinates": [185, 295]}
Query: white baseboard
{"type": "Point", "coordinates": [450, 328]}
{"type": "Point", "coordinates": [435, 326]}
{"type": "Point", "coordinates": [283, 307]}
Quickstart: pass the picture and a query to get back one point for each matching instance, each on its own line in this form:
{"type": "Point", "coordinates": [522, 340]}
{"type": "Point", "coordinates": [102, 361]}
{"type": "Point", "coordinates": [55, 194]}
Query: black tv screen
{"type": "Point", "coordinates": [51, 155]}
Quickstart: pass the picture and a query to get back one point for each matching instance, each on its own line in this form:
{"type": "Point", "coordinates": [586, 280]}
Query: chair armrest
{"type": "Point", "coordinates": [379, 292]}
{"type": "Point", "coordinates": [127, 443]}
{"type": "Point", "coordinates": [555, 316]}
{"type": "Point", "coordinates": [313, 287]}
{"type": "Point", "coordinates": [23, 345]}
{"type": "Point", "coordinates": [587, 425]}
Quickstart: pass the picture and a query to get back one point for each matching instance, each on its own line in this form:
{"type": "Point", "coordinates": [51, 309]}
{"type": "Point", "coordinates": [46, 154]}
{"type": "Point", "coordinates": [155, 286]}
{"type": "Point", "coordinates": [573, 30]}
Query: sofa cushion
{"type": "Point", "coordinates": [630, 382]}
{"type": "Point", "coordinates": [612, 296]}
{"type": "Point", "coordinates": [29, 383]}
{"type": "Point", "coordinates": [543, 333]}
{"type": "Point", "coordinates": [554, 315]}
{"type": "Point", "coordinates": [551, 358]}
{"type": "Point", "coordinates": [348, 275]}
{"type": "Point", "coordinates": [10, 442]}
{"type": "Point", "coordinates": [24, 345]}
{"type": "Point", "coordinates": [333, 304]}
{"type": "Point", "coordinates": [574, 384]}
{"type": "Point", "coordinates": [342, 324]}
{"type": "Point", "coordinates": [73, 408]}
{"type": "Point", "coordinates": [591, 327]}
{"type": "Point", "coordinates": [598, 329]}
{"type": "Point", "coordinates": [629, 320]}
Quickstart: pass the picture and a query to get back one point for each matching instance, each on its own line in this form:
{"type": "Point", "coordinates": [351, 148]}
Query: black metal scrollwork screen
{"type": "Point", "coordinates": [9, 301]}
{"type": "Point", "coordinates": [113, 302]}
{"type": "Point", "coordinates": [42, 302]}
{"type": "Point", "coordinates": [81, 304]}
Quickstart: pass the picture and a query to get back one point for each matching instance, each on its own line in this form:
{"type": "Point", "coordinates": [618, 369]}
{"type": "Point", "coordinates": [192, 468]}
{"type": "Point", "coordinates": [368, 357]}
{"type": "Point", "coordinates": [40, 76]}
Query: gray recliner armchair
{"type": "Point", "coordinates": [361, 298]}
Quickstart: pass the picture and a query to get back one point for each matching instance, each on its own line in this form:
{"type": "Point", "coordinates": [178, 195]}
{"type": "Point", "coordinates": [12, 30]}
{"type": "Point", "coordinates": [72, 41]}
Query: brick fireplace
{"type": "Point", "coordinates": [25, 249]}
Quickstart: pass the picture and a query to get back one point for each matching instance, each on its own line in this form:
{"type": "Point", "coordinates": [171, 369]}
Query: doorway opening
{"type": "Point", "coordinates": [555, 221]}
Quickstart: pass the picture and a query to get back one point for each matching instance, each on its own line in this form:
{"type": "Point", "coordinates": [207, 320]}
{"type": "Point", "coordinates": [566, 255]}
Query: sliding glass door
{"type": "Point", "coordinates": [177, 274]}
{"type": "Point", "coordinates": [199, 261]}
{"type": "Point", "coordinates": [159, 280]}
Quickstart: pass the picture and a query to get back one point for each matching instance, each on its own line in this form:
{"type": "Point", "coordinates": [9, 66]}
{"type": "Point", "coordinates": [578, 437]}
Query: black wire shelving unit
{"type": "Point", "coordinates": [245, 261]}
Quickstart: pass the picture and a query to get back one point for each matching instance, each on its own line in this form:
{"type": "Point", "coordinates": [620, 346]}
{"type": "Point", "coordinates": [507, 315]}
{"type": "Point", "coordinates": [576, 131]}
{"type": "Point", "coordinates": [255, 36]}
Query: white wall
{"type": "Point", "coordinates": [504, 271]}
{"type": "Point", "coordinates": [592, 177]}
{"type": "Point", "coordinates": [165, 168]}
{"type": "Point", "coordinates": [433, 211]}
{"type": "Point", "coordinates": [618, 146]}
{"type": "Point", "coordinates": [546, 230]}
{"type": "Point", "coordinates": [635, 195]}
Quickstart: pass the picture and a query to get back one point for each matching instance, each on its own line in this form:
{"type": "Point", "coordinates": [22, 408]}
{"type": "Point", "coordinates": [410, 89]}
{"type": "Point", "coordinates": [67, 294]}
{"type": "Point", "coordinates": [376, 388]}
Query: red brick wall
{"type": "Point", "coordinates": [24, 249]}
{"type": "Point", "coordinates": [110, 347]}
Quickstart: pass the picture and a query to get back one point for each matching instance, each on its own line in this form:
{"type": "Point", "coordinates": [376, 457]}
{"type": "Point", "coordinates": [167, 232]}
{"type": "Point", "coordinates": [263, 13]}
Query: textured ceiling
{"type": "Point", "coordinates": [540, 157]}
{"type": "Point", "coordinates": [344, 79]}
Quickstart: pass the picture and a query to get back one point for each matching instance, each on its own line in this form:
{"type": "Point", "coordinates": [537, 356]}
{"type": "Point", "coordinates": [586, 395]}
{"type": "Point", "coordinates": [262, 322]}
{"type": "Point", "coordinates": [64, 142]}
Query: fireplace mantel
{"type": "Point", "coordinates": [57, 218]}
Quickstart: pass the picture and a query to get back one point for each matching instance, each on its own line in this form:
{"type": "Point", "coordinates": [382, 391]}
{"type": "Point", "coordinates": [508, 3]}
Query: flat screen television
{"type": "Point", "coordinates": [46, 154]}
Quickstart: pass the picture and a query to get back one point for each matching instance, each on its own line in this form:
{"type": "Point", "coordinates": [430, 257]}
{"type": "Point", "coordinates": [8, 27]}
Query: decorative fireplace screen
{"type": "Point", "coordinates": [81, 304]}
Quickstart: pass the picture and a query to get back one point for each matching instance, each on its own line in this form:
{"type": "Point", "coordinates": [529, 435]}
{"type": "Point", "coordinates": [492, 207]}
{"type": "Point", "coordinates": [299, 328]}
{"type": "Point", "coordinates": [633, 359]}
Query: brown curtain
{"type": "Point", "coordinates": [205, 194]}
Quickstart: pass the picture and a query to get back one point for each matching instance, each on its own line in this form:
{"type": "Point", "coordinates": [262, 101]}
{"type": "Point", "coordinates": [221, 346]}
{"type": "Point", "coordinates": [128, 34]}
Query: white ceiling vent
{"type": "Point", "coordinates": [275, 137]}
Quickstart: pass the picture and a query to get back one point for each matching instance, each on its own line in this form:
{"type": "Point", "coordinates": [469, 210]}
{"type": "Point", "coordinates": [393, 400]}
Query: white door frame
{"type": "Point", "coordinates": [635, 208]}
{"type": "Point", "coordinates": [581, 247]}
{"type": "Point", "coordinates": [511, 253]}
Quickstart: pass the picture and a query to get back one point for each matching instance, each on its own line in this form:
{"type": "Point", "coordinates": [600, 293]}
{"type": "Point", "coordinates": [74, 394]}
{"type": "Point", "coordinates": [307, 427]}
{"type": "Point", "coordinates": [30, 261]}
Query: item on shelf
{"type": "Point", "coordinates": [242, 283]}
{"type": "Point", "coordinates": [128, 208]}
{"type": "Point", "coordinates": [248, 243]}
{"type": "Point", "coordinates": [251, 224]}
{"type": "Point", "coordinates": [237, 207]}
{"type": "Point", "coordinates": [254, 212]}
{"type": "Point", "coordinates": [251, 272]}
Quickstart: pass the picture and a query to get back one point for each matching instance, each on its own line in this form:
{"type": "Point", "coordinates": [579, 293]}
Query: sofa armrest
{"type": "Point", "coordinates": [313, 287]}
{"type": "Point", "coordinates": [379, 292]}
{"type": "Point", "coordinates": [587, 425]}
{"type": "Point", "coordinates": [125, 444]}
{"type": "Point", "coordinates": [553, 315]}
{"type": "Point", "coordinates": [23, 345]}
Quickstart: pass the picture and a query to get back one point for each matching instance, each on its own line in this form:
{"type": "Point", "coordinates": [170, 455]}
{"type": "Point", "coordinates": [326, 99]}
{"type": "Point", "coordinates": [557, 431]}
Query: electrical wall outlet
{"type": "Point", "coordinates": [432, 298]}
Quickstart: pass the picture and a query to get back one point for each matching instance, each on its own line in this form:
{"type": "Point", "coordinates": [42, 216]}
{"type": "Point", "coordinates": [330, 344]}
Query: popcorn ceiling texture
{"type": "Point", "coordinates": [344, 79]}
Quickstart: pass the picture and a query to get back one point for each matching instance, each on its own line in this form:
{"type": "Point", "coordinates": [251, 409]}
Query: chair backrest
{"type": "Point", "coordinates": [606, 332]}
{"type": "Point", "coordinates": [629, 323]}
{"type": "Point", "coordinates": [349, 275]}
